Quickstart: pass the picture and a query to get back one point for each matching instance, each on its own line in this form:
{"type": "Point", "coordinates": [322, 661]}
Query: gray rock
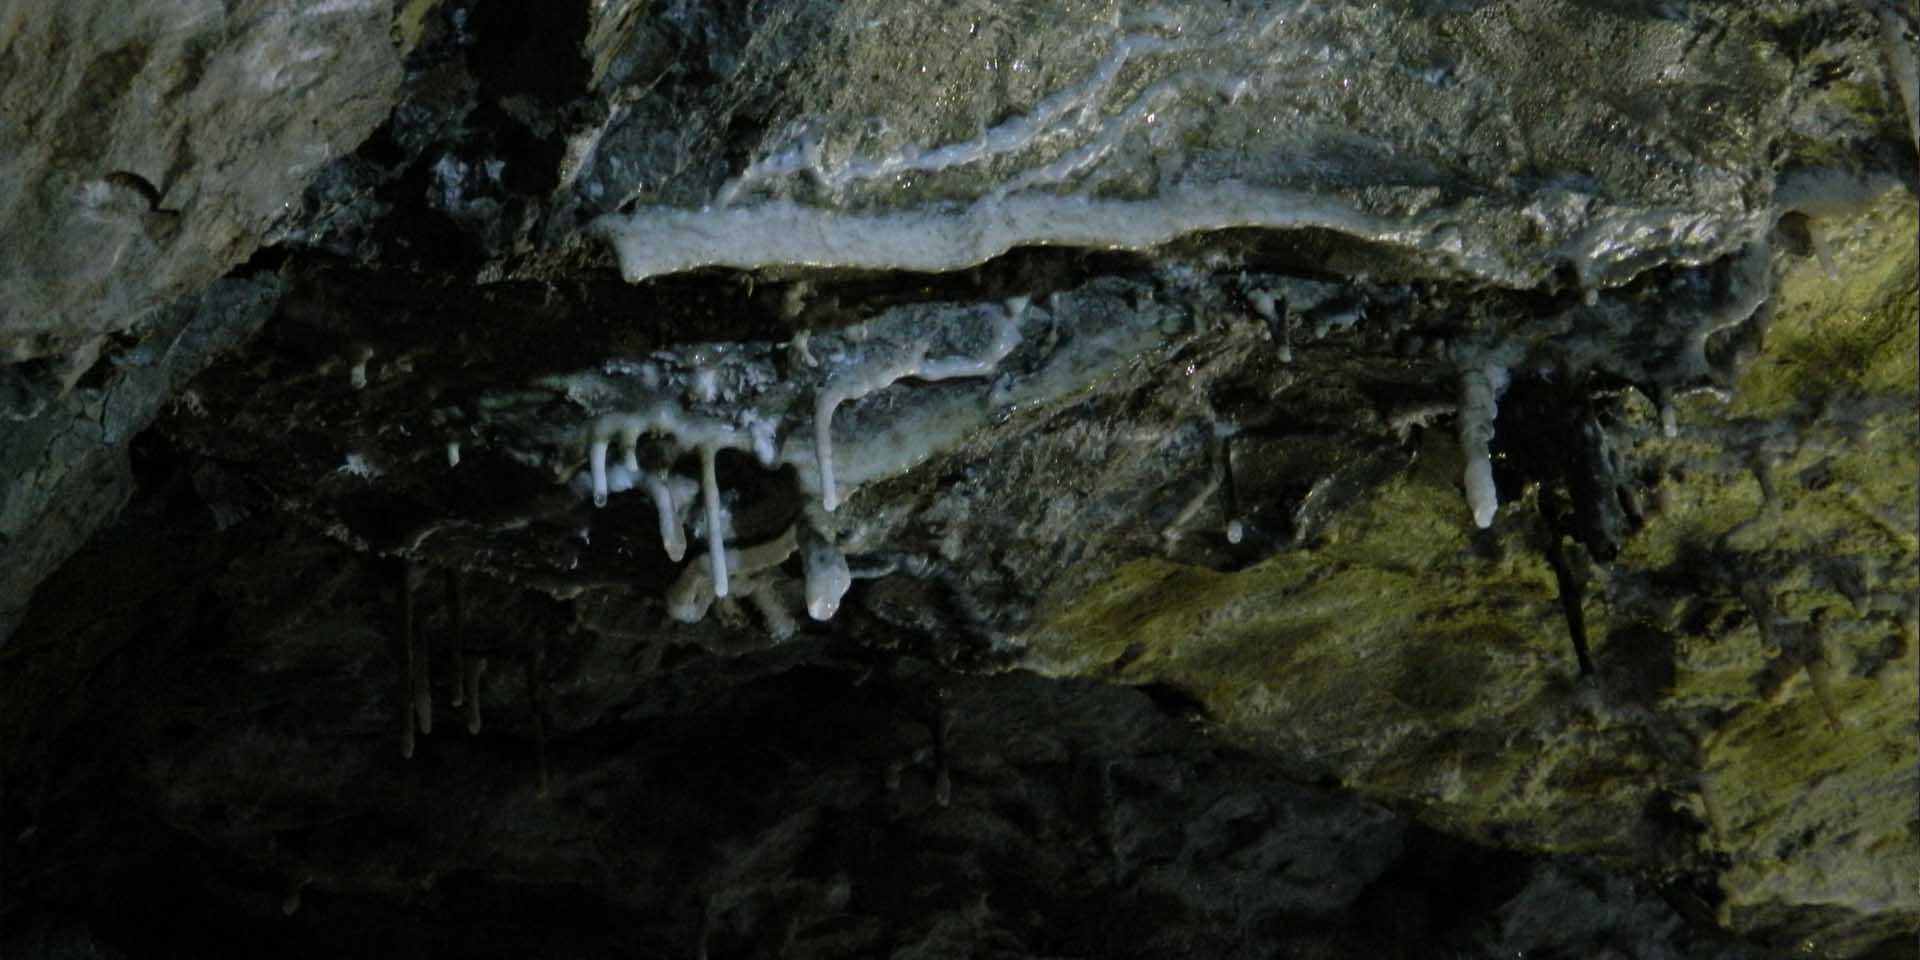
{"type": "Point", "coordinates": [147, 150]}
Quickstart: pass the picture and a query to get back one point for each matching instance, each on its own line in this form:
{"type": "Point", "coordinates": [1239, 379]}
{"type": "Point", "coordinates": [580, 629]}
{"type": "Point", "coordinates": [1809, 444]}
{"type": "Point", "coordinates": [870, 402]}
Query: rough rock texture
{"type": "Point", "coordinates": [144, 152]}
{"type": "Point", "coordinates": [1430, 478]}
{"type": "Point", "coordinates": [70, 460]}
{"type": "Point", "coordinates": [148, 149]}
{"type": "Point", "coordinates": [1755, 700]}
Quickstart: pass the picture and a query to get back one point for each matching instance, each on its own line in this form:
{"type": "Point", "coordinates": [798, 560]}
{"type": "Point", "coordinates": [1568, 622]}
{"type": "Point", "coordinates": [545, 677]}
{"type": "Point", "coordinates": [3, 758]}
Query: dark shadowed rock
{"type": "Point", "coordinates": [922, 479]}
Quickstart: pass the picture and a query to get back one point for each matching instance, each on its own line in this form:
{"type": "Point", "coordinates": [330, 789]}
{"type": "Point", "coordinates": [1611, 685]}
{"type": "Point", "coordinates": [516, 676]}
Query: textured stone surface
{"type": "Point", "coordinates": [69, 460]}
{"type": "Point", "coordinates": [1403, 124]}
{"type": "Point", "coordinates": [788, 798]}
{"type": "Point", "coordinates": [147, 149]}
{"type": "Point", "coordinates": [1170, 630]}
{"type": "Point", "coordinates": [1411, 662]}
{"type": "Point", "coordinates": [144, 152]}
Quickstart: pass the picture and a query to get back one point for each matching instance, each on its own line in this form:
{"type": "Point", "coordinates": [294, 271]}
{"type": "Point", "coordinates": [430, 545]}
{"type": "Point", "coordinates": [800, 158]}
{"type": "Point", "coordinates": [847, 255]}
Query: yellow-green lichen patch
{"type": "Point", "coordinates": [410, 23]}
{"type": "Point", "coordinates": [1839, 501]}
{"type": "Point", "coordinates": [1834, 338]}
{"type": "Point", "coordinates": [1392, 656]}
{"type": "Point", "coordinates": [1691, 509]}
{"type": "Point", "coordinates": [1875, 479]}
{"type": "Point", "coordinates": [1807, 767]}
{"type": "Point", "coordinates": [1810, 814]}
{"type": "Point", "coordinates": [1420, 668]}
{"type": "Point", "coordinates": [1856, 328]}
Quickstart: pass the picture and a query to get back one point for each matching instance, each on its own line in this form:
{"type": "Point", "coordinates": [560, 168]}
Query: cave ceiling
{"type": "Point", "coordinates": [1058, 478]}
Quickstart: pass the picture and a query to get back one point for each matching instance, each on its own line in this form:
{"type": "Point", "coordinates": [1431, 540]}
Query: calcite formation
{"type": "Point", "coordinates": [1262, 478]}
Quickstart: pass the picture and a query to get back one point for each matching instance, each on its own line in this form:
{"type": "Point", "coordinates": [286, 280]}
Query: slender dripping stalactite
{"type": "Point", "coordinates": [536, 669]}
{"type": "Point", "coordinates": [457, 624]}
{"type": "Point", "coordinates": [421, 658]}
{"type": "Point", "coordinates": [466, 670]}
{"type": "Point", "coordinates": [405, 693]}
{"type": "Point", "coordinates": [1229, 497]}
{"type": "Point", "coordinates": [1568, 585]}
{"type": "Point", "coordinates": [941, 726]}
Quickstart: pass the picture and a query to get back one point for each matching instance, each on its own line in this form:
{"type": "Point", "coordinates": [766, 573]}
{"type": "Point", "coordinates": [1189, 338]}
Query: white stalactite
{"type": "Point", "coordinates": [864, 379]}
{"type": "Point", "coordinates": [716, 536]}
{"type": "Point", "coordinates": [1479, 388]}
{"type": "Point", "coordinates": [597, 462]}
{"type": "Point", "coordinates": [827, 576]}
{"type": "Point", "coordinates": [671, 533]}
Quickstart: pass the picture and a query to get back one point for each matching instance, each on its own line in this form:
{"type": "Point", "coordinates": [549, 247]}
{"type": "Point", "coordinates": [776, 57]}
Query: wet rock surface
{"type": "Point", "coordinates": [924, 480]}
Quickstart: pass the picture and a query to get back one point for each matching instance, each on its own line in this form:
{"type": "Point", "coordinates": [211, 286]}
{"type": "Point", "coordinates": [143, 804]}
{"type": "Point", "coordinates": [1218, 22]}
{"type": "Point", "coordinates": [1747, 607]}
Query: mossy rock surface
{"type": "Point", "coordinates": [1430, 670]}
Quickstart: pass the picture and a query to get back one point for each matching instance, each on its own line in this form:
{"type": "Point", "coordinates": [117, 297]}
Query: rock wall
{"type": "Point", "coordinates": [1418, 478]}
